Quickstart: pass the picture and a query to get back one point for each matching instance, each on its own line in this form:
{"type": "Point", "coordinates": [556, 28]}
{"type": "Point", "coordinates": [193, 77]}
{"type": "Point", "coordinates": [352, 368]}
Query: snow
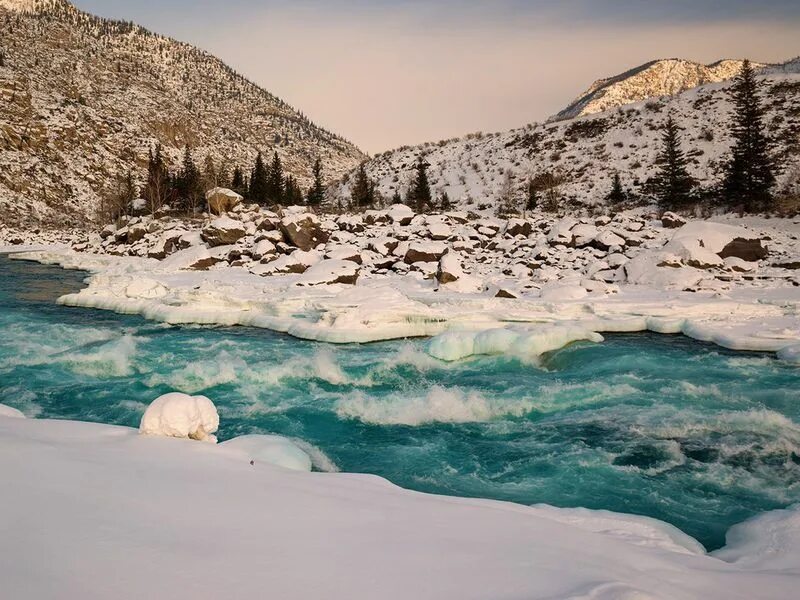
{"type": "Point", "coordinates": [119, 515]}
{"type": "Point", "coordinates": [523, 343]}
{"type": "Point", "coordinates": [181, 416]}
{"type": "Point", "coordinates": [10, 413]}
{"type": "Point", "coordinates": [271, 449]}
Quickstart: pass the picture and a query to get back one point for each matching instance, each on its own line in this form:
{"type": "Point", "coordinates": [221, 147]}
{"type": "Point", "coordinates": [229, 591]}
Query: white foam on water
{"type": "Point", "coordinates": [112, 359]}
{"type": "Point", "coordinates": [439, 404]}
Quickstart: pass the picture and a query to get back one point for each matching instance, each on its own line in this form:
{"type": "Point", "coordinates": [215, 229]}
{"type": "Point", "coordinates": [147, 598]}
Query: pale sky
{"type": "Point", "coordinates": [385, 73]}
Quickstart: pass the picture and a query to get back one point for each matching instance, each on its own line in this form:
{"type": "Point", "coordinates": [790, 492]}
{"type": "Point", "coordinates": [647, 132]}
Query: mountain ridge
{"type": "Point", "coordinates": [660, 77]}
{"type": "Point", "coordinates": [83, 98]}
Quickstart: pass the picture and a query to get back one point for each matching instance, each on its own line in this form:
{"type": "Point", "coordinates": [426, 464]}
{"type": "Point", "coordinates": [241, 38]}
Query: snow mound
{"type": "Point", "coordinates": [11, 413]}
{"type": "Point", "coordinates": [790, 354]}
{"type": "Point", "coordinates": [271, 449]}
{"type": "Point", "coordinates": [181, 416]}
{"type": "Point", "coordinates": [526, 344]}
{"type": "Point", "coordinates": [769, 541]}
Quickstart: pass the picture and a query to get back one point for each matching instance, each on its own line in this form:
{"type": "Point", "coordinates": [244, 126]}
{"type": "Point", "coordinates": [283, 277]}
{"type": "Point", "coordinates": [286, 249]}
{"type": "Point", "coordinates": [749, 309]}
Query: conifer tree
{"type": "Point", "coordinates": [258, 182]}
{"type": "Point", "coordinates": [396, 198]}
{"type": "Point", "coordinates": [749, 174]}
{"type": "Point", "coordinates": [275, 181]}
{"type": "Point", "coordinates": [292, 196]}
{"type": "Point", "coordinates": [617, 194]}
{"type": "Point", "coordinates": [444, 202]}
{"type": "Point", "coordinates": [157, 189]}
{"type": "Point", "coordinates": [188, 182]}
{"type": "Point", "coordinates": [362, 193]}
{"type": "Point", "coordinates": [674, 185]}
{"type": "Point", "coordinates": [237, 181]}
{"type": "Point", "coordinates": [316, 193]}
{"type": "Point", "coordinates": [532, 200]}
{"type": "Point", "coordinates": [419, 195]}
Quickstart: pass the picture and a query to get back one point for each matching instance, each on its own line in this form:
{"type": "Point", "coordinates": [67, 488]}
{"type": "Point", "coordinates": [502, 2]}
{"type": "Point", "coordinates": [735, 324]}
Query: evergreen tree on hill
{"type": "Point", "coordinates": [749, 175]}
{"type": "Point", "coordinates": [292, 195]}
{"type": "Point", "coordinates": [674, 185]}
{"type": "Point", "coordinates": [316, 193]}
{"type": "Point", "coordinates": [617, 194]}
{"type": "Point", "coordinates": [188, 183]}
{"type": "Point", "coordinates": [363, 192]}
{"type": "Point", "coordinates": [419, 195]}
{"type": "Point", "coordinates": [238, 184]}
{"type": "Point", "coordinates": [275, 181]}
{"type": "Point", "coordinates": [259, 185]}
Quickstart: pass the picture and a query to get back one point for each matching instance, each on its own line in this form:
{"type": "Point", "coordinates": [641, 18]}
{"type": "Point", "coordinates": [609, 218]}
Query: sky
{"type": "Point", "coordinates": [385, 73]}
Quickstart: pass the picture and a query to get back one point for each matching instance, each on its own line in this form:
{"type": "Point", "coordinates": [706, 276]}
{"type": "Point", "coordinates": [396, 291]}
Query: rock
{"type": "Point", "coordinates": [738, 265]}
{"type": "Point", "coordinates": [516, 227]}
{"type": "Point", "coordinates": [350, 253]}
{"type": "Point", "coordinates": [670, 220]}
{"type": "Point", "coordinates": [506, 293]}
{"type": "Point", "coordinates": [751, 250]}
{"type": "Point", "coordinates": [262, 249]}
{"type": "Point", "coordinates": [303, 230]}
{"type": "Point", "coordinates": [351, 223]}
{"type": "Point", "coordinates": [400, 214]}
{"type": "Point", "coordinates": [439, 231]}
{"type": "Point", "coordinates": [449, 270]}
{"type": "Point", "coordinates": [108, 231]}
{"type": "Point", "coordinates": [223, 231]}
{"type": "Point", "coordinates": [607, 239]}
{"type": "Point", "coordinates": [424, 252]}
{"type": "Point", "coordinates": [383, 246]}
{"type": "Point", "coordinates": [166, 244]}
{"type": "Point", "coordinates": [221, 200]}
{"type": "Point", "coordinates": [330, 272]}
{"type": "Point", "coordinates": [136, 233]}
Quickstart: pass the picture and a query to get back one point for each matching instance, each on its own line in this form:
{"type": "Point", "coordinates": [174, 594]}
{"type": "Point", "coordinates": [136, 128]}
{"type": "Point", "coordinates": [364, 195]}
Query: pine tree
{"type": "Point", "coordinates": [532, 201]}
{"type": "Point", "coordinates": [362, 193]}
{"type": "Point", "coordinates": [292, 195]}
{"type": "Point", "coordinates": [188, 183]}
{"type": "Point", "coordinates": [238, 184]}
{"type": "Point", "coordinates": [444, 202]}
{"type": "Point", "coordinates": [396, 199]}
{"type": "Point", "coordinates": [419, 195]}
{"type": "Point", "coordinates": [617, 194]}
{"type": "Point", "coordinates": [316, 193]}
{"type": "Point", "coordinates": [507, 201]}
{"type": "Point", "coordinates": [674, 185]}
{"type": "Point", "coordinates": [158, 187]}
{"type": "Point", "coordinates": [749, 175]}
{"type": "Point", "coordinates": [275, 181]}
{"type": "Point", "coordinates": [258, 182]}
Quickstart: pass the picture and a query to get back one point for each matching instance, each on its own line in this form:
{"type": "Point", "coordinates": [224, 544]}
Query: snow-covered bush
{"type": "Point", "coordinates": [181, 416]}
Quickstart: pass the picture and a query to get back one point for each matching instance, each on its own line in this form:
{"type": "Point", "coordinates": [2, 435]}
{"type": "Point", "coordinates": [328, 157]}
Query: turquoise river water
{"type": "Point", "coordinates": [655, 425]}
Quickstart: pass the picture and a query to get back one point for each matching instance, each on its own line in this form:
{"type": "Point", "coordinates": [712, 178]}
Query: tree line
{"type": "Point", "coordinates": [748, 177]}
{"type": "Point", "coordinates": [183, 190]}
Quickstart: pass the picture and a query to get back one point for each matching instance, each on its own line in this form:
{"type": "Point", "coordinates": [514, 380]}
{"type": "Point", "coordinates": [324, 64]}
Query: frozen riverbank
{"type": "Point", "coordinates": [118, 514]}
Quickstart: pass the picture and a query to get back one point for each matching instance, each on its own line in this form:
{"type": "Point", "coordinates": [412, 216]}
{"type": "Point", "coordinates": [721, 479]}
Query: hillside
{"type": "Point", "coordinates": [83, 98]}
{"type": "Point", "coordinates": [584, 153]}
{"type": "Point", "coordinates": [656, 78]}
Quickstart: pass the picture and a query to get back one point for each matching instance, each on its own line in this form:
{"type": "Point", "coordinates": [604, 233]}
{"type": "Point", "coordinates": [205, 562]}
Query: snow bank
{"type": "Point", "coordinates": [130, 517]}
{"type": "Point", "coordinates": [10, 413]}
{"type": "Point", "coordinates": [525, 344]}
{"type": "Point", "coordinates": [181, 416]}
{"type": "Point", "coordinates": [270, 449]}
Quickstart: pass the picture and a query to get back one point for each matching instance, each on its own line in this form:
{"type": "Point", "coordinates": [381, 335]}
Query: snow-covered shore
{"type": "Point", "coordinates": [97, 511]}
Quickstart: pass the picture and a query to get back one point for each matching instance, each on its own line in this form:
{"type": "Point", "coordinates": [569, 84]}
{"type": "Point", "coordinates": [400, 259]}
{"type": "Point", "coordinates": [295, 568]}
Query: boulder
{"type": "Point", "coordinates": [221, 200]}
{"type": "Point", "coordinates": [181, 416]}
{"type": "Point", "coordinates": [424, 252]}
{"type": "Point", "coordinates": [331, 271]}
{"type": "Point", "coordinates": [400, 214]}
{"type": "Point", "coordinates": [303, 230]}
{"type": "Point", "coordinates": [223, 231]}
{"type": "Point", "coordinates": [670, 220]}
{"type": "Point", "coordinates": [751, 250]}
{"type": "Point", "coordinates": [516, 227]}
{"type": "Point", "coordinates": [449, 269]}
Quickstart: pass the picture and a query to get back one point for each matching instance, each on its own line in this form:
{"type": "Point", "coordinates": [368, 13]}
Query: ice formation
{"type": "Point", "coordinates": [270, 449]}
{"type": "Point", "coordinates": [181, 416]}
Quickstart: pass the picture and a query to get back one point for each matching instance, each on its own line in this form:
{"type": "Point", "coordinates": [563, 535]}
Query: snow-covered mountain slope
{"type": "Point", "coordinates": [83, 98]}
{"type": "Point", "coordinates": [585, 152]}
{"type": "Point", "coordinates": [656, 78]}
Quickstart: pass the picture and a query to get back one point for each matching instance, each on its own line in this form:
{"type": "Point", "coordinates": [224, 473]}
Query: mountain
{"type": "Point", "coordinates": [584, 153]}
{"type": "Point", "coordinates": [83, 98]}
{"type": "Point", "coordinates": [657, 78]}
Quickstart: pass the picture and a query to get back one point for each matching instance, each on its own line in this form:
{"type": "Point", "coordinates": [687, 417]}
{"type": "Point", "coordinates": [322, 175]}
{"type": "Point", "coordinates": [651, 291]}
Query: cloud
{"type": "Point", "coordinates": [389, 73]}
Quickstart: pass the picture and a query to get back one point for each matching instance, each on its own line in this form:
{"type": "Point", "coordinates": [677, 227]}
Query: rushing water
{"type": "Point", "coordinates": [655, 425]}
